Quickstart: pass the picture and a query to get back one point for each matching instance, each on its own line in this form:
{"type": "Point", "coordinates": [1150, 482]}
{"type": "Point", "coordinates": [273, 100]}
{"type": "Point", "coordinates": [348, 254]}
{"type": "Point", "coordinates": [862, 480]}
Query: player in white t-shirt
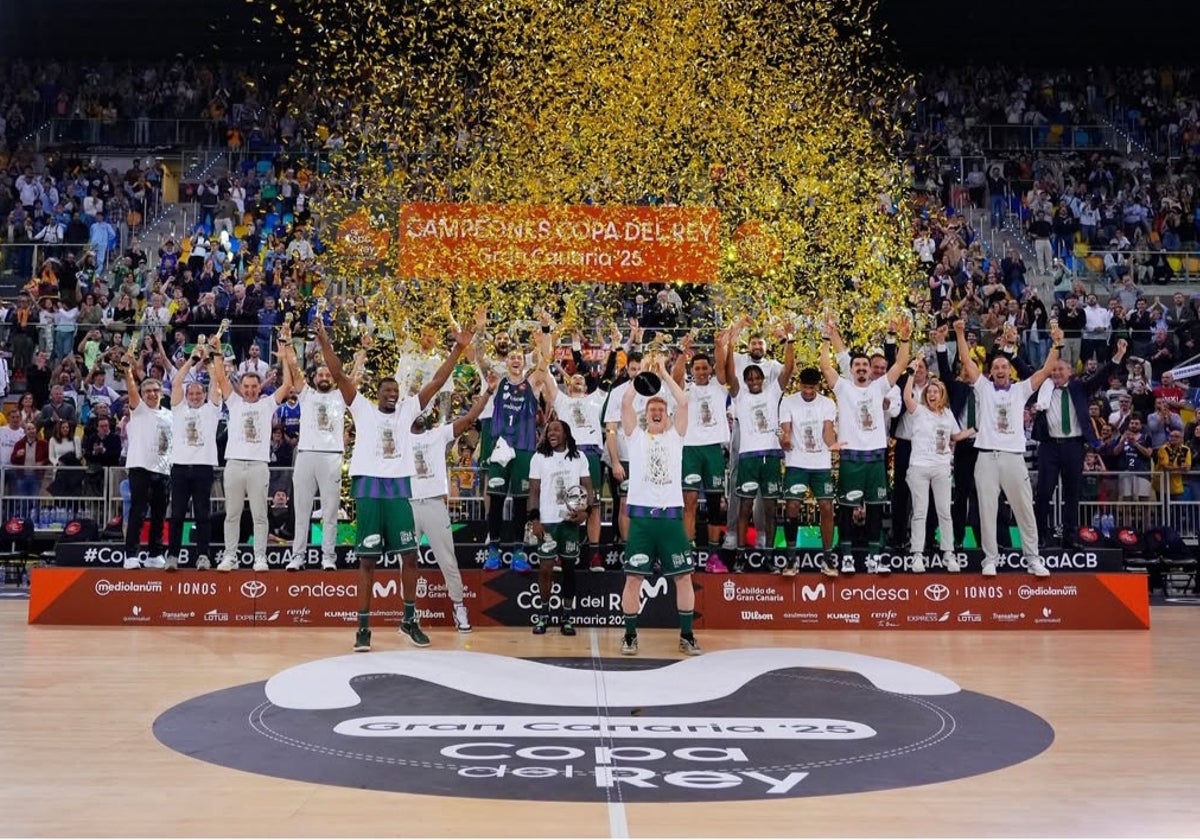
{"type": "Point", "coordinates": [194, 419]}
{"type": "Point", "coordinates": [808, 437]}
{"type": "Point", "coordinates": [1000, 442]}
{"type": "Point", "coordinates": [560, 482]}
{"type": "Point", "coordinates": [430, 489]}
{"type": "Point", "coordinates": [862, 431]}
{"type": "Point", "coordinates": [247, 458]}
{"type": "Point", "coordinates": [760, 457]}
{"type": "Point", "coordinates": [381, 471]}
{"type": "Point", "coordinates": [704, 447]}
{"type": "Point", "coordinates": [583, 412]}
{"type": "Point", "coordinates": [656, 535]}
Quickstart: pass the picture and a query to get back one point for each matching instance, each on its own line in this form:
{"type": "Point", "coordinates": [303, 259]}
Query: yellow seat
{"type": "Point", "coordinates": [1094, 263]}
{"type": "Point", "coordinates": [240, 231]}
{"type": "Point", "coordinates": [1082, 249]}
{"type": "Point", "coordinates": [1192, 265]}
{"type": "Point", "coordinates": [1176, 264]}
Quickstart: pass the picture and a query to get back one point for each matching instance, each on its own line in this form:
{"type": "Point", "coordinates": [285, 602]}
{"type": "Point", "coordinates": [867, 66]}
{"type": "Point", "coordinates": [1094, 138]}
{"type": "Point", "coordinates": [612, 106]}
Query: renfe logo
{"type": "Point", "coordinates": [731, 725]}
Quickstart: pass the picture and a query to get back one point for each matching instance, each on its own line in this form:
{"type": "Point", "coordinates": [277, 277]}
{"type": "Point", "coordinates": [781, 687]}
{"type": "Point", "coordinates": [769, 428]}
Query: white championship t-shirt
{"type": "Point", "coordinates": [809, 450]}
{"type": "Point", "coordinates": [149, 437]}
{"type": "Point", "coordinates": [322, 421]}
{"type": "Point", "coordinates": [249, 428]}
{"type": "Point", "coordinates": [931, 437]}
{"type": "Point", "coordinates": [429, 478]}
{"type": "Point", "coordinates": [758, 418]}
{"type": "Point", "coordinates": [557, 474]}
{"type": "Point", "coordinates": [770, 368]}
{"type": "Point", "coordinates": [655, 469]}
{"type": "Point", "coordinates": [862, 423]}
{"type": "Point", "coordinates": [383, 442]}
{"type": "Point", "coordinates": [708, 419]}
{"type": "Point", "coordinates": [582, 414]}
{"type": "Point", "coordinates": [195, 433]}
{"type": "Point", "coordinates": [1000, 415]}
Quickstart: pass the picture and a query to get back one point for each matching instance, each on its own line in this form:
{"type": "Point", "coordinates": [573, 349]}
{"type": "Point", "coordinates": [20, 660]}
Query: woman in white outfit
{"type": "Point", "coordinates": [934, 429]}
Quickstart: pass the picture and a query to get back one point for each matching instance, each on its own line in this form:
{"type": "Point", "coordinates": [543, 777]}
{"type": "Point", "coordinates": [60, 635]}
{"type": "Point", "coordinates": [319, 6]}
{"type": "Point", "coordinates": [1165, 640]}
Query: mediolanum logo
{"type": "Point", "coordinates": [732, 725]}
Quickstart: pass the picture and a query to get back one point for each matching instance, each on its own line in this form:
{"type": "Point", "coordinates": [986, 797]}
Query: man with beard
{"type": "Point", "coordinates": [194, 420]}
{"type": "Point", "coordinates": [862, 429]}
{"type": "Point", "coordinates": [318, 461]}
{"type": "Point", "coordinates": [704, 447]}
{"type": "Point", "coordinates": [1000, 444]}
{"type": "Point", "coordinates": [381, 471]}
{"type": "Point", "coordinates": [148, 460]}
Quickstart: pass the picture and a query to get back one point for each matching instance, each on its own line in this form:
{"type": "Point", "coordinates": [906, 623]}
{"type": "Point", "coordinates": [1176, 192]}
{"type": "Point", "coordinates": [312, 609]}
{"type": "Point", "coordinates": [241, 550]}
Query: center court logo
{"type": "Point", "coordinates": [731, 725]}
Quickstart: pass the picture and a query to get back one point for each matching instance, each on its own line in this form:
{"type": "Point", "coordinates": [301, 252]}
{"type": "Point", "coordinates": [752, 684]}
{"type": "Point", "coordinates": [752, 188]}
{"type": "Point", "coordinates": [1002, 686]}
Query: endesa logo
{"type": "Point", "coordinates": [873, 593]}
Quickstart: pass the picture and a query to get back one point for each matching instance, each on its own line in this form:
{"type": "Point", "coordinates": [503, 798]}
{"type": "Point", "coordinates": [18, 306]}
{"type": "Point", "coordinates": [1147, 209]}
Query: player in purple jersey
{"type": "Point", "coordinates": [514, 428]}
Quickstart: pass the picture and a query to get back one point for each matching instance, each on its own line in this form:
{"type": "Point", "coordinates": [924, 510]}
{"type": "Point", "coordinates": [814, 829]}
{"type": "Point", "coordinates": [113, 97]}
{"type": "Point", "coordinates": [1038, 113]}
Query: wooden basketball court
{"type": "Point", "coordinates": [77, 707]}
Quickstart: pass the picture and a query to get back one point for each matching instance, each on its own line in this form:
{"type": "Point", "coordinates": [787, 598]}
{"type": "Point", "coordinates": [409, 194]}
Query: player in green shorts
{"type": "Point", "coordinates": [808, 438]}
{"type": "Point", "coordinates": [380, 471]}
{"type": "Point", "coordinates": [657, 541]}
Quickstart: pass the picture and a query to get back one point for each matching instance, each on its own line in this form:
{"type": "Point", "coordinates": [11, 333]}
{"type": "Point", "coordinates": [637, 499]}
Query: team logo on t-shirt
{"type": "Point", "coordinates": [941, 440]}
{"type": "Point", "coordinates": [810, 438]}
{"type": "Point", "coordinates": [658, 471]}
{"type": "Point", "coordinates": [760, 419]}
{"type": "Point", "coordinates": [387, 442]}
{"type": "Point", "coordinates": [250, 428]}
{"type": "Point", "coordinates": [866, 421]}
{"type": "Point", "coordinates": [192, 430]}
{"type": "Point", "coordinates": [324, 424]}
{"type": "Point", "coordinates": [706, 414]}
{"type": "Point", "coordinates": [421, 464]}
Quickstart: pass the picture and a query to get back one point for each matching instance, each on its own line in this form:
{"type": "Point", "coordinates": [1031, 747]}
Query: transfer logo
{"type": "Point", "coordinates": [731, 725]}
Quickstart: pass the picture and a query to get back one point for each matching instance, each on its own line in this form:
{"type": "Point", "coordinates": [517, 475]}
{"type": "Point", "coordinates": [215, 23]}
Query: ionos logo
{"type": "Point", "coordinates": [731, 725]}
{"type": "Point", "coordinates": [195, 588]}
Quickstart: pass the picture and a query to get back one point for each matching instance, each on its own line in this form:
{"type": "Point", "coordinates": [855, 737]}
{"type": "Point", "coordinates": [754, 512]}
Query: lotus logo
{"type": "Point", "coordinates": [937, 592]}
{"type": "Point", "coordinates": [254, 589]}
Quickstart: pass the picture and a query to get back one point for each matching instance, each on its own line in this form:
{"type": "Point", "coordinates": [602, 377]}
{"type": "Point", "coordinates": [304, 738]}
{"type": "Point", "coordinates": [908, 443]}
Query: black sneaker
{"type": "Point", "coordinates": [689, 645]}
{"type": "Point", "coordinates": [362, 641]}
{"type": "Point", "coordinates": [414, 632]}
{"type": "Point", "coordinates": [629, 646]}
{"type": "Point", "coordinates": [539, 626]}
{"type": "Point", "coordinates": [567, 628]}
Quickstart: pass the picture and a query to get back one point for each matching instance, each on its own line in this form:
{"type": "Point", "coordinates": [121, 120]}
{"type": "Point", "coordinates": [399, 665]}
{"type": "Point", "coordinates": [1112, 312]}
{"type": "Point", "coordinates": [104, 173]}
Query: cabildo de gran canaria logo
{"type": "Point", "coordinates": [738, 724]}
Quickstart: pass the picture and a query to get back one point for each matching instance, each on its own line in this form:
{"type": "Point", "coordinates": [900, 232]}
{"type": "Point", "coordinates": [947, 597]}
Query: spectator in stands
{"type": "Point", "coordinates": [1131, 453]}
{"type": "Point", "coordinates": [1175, 459]}
{"type": "Point", "coordinates": [1161, 353]}
{"type": "Point", "coordinates": [1161, 423]}
{"type": "Point", "coordinates": [30, 455]}
{"type": "Point", "coordinates": [56, 410]}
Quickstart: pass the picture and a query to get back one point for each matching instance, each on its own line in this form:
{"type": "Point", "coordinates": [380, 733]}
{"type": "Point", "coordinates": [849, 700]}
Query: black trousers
{"type": "Point", "coordinates": [1057, 459]}
{"type": "Point", "coordinates": [146, 489]}
{"type": "Point", "coordinates": [901, 495]}
{"type": "Point", "coordinates": [964, 507]}
{"type": "Point", "coordinates": [191, 482]}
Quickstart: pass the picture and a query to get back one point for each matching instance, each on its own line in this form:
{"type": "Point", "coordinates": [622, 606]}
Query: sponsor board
{"type": "Point", "coordinates": [331, 599]}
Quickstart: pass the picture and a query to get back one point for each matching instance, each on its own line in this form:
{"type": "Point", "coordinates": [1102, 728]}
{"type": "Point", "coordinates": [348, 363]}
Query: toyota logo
{"type": "Point", "coordinates": [254, 589]}
{"type": "Point", "coordinates": [935, 592]}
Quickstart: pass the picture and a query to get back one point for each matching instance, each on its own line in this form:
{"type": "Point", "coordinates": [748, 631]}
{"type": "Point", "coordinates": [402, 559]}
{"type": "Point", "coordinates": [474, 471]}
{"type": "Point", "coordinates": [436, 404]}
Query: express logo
{"type": "Point", "coordinates": [731, 725]}
{"type": "Point", "coordinates": [937, 592]}
{"type": "Point", "coordinates": [254, 589]}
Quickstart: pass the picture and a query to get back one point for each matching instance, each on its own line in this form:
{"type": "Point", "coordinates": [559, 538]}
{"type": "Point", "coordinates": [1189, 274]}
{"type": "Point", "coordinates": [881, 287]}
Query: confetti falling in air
{"type": "Point", "coordinates": [782, 115]}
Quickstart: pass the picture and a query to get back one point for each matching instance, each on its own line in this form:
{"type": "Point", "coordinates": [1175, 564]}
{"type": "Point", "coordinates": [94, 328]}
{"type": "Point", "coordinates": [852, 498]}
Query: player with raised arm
{"type": "Point", "coordinates": [808, 438]}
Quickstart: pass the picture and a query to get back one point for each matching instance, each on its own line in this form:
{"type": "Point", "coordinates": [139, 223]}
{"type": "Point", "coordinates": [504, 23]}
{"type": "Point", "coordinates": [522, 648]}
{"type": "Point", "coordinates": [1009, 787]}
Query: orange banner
{"type": "Point", "coordinates": [559, 244]}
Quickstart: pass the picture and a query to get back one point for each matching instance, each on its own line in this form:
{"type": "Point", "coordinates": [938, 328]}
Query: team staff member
{"type": "Point", "coordinates": [194, 419]}
{"type": "Point", "coordinates": [656, 535]}
{"type": "Point", "coordinates": [148, 460]}
{"type": "Point", "coordinates": [430, 489]}
{"type": "Point", "coordinates": [1000, 441]}
{"type": "Point", "coordinates": [247, 456]}
{"type": "Point", "coordinates": [381, 471]}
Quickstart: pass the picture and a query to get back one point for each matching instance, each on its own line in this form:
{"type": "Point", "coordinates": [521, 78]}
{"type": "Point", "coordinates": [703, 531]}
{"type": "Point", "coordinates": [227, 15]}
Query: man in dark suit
{"type": "Point", "coordinates": [1063, 434]}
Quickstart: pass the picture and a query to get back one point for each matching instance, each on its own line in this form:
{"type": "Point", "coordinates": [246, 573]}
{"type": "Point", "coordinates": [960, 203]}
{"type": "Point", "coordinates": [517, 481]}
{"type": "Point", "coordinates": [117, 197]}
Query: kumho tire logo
{"type": "Point", "coordinates": [731, 725]}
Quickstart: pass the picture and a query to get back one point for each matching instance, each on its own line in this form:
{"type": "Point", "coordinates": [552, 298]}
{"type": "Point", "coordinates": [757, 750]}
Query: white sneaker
{"type": "Point", "coordinates": [155, 562]}
{"type": "Point", "coordinates": [260, 564]}
{"type": "Point", "coordinates": [133, 562]}
{"type": "Point", "coordinates": [203, 564]}
{"type": "Point", "coordinates": [951, 561]}
{"type": "Point", "coordinates": [1037, 568]}
{"type": "Point", "coordinates": [461, 622]}
{"type": "Point", "coordinates": [881, 568]}
{"type": "Point", "coordinates": [918, 564]}
{"type": "Point", "coordinates": [730, 541]}
{"type": "Point", "coordinates": [989, 568]}
{"type": "Point", "coordinates": [227, 564]}
{"type": "Point", "coordinates": [295, 563]}
{"type": "Point", "coordinates": [329, 564]}
{"type": "Point", "coordinates": [848, 564]}
{"type": "Point", "coordinates": [172, 563]}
